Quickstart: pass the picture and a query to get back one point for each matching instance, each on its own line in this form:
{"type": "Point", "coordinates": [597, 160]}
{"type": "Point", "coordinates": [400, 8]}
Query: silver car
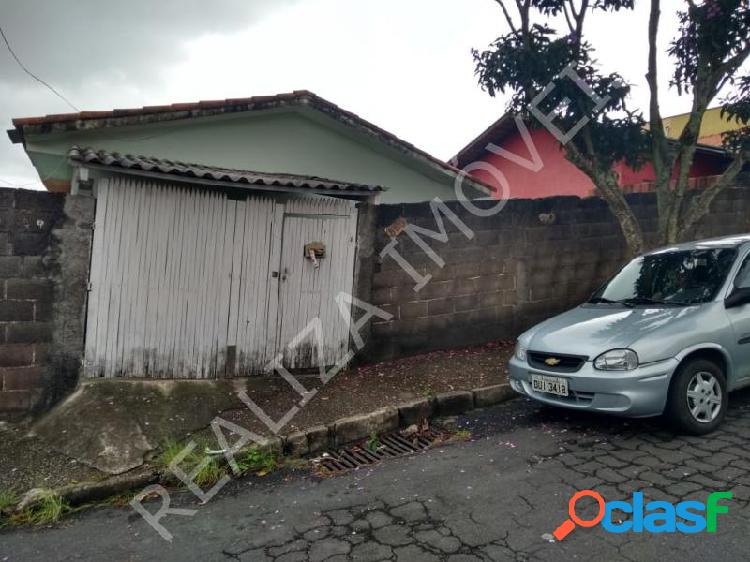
{"type": "Point", "coordinates": [669, 334]}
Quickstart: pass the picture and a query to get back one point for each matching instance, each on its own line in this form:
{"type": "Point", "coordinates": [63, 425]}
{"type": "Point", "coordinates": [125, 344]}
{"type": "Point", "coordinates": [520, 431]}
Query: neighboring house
{"type": "Point", "coordinates": [558, 176]}
{"type": "Point", "coordinates": [238, 229]}
{"type": "Point", "coordinates": [712, 126]}
{"type": "Point", "coordinates": [296, 133]}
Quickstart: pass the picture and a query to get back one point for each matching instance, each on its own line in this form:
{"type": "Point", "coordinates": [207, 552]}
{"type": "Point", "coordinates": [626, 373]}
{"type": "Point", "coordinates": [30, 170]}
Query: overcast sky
{"type": "Point", "coordinates": [405, 65]}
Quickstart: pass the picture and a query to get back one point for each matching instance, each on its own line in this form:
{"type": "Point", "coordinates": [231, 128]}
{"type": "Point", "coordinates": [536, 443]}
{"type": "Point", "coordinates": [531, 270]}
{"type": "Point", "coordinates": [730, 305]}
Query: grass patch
{"type": "Point", "coordinates": [49, 508]}
{"type": "Point", "coordinates": [170, 450]}
{"type": "Point", "coordinates": [210, 473]}
{"type": "Point", "coordinates": [260, 461]}
{"type": "Point", "coordinates": [8, 500]}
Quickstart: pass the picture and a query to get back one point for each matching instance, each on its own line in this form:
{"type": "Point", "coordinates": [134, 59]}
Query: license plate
{"type": "Point", "coordinates": [550, 385]}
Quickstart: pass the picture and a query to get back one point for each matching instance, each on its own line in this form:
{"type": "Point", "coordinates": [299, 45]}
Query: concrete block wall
{"type": "Point", "coordinates": [27, 219]}
{"type": "Point", "coordinates": [520, 267]}
{"type": "Point", "coordinates": [36, 228]}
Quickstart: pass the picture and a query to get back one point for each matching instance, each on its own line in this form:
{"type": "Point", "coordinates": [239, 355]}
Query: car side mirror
{"type": "Point", "coordinates": [738, 297]}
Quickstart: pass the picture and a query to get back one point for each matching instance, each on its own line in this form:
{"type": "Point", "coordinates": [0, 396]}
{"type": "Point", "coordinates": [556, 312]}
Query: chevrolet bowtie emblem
{"type": "Point", "coordinates": [552, 361]}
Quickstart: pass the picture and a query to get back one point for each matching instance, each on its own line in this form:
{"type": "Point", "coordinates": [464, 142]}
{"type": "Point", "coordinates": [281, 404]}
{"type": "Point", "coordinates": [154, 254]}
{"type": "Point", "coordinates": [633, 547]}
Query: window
{"type": "Point", "coordinates": [742, 281]}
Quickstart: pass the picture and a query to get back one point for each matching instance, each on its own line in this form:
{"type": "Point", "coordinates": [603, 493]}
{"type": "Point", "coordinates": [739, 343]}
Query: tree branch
{"type": "Point", "coordinates": [571, 27]}
{"type": "Point", "coordinates": [702, 203]}
{"type": "Point", "coordinates": [507, 15]}
{"type": "Point", "coordinates": [608, 187]}
{"type": "Point", "coordinates": [660, 157]}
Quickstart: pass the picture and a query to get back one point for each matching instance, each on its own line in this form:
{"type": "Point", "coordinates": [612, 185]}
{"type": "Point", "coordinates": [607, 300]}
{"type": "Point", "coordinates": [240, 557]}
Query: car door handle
{"type": "Point", "coordinates": [744, 339]}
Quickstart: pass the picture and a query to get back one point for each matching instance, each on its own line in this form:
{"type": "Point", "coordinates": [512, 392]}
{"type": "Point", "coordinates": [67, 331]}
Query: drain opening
{"type": "Point", "coordinates": [390, 445]}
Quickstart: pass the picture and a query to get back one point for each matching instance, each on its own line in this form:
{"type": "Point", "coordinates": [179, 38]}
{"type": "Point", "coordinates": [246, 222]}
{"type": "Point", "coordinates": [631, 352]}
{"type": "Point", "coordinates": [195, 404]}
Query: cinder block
{"type": "Point", "coordinates": [29, 243]}
{"type": "Point", "coordinates": [30, 289]}
{"type": "Point", "coordinates": [5, 247]}
{"type": "Point", "coordinates": [16, 311]}
{"type": "Point", "coordinates": [16, 355]}
{"type": "Point", "coordinates": [10, 266]}
{"type": "Point", "coordinates": [14, 401]}
{"type": "Point", "coordinates": [29, 332]}
{"type": "Point", "coordinates": [43, 309]}
{"type": "Point", "coordinates": [490, 395]}
{"type": "Point", "coordinates": [439, 306]}
{"type": "Point", "coordinates": [22, 378]}
{"type": "Point", "coordinates": [413, 309]}
{"type": "Point", "coordinates": [416, 410]}
{"type": "Point", "coordinates": [28, 199]}
{"type": "Point", "coordinates": [32, 266]}
{"type": "Point", "coordinates": [452, 403]}
{"type": "Point", "coordinates": [466, 302]}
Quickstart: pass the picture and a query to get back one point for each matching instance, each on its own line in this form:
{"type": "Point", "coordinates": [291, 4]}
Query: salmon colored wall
{"type": "Point", "coordinates": [703, 165]}
{"type": "Point", "coordinates": [558, 176]}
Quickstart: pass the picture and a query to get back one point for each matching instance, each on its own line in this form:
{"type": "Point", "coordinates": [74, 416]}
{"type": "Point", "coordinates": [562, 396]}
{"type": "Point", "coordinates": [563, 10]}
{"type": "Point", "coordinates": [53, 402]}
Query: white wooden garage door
{"type": "Point", "coordinates": [187, 283]}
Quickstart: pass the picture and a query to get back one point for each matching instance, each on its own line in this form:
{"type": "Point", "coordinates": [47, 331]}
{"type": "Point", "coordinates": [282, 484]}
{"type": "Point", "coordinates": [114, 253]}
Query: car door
{"type": "Point", "coordinates": [739, 317]}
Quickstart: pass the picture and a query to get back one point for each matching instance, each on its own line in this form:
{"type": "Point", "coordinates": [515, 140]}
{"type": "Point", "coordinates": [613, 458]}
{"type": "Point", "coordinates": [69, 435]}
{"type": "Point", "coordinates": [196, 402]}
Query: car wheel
{"type": "Point", "coordinates": [697, 401]}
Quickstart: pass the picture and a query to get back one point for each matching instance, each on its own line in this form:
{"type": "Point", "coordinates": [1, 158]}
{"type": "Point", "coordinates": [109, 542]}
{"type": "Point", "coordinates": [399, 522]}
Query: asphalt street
{"type": "Point", "coordinates": [498, 496]}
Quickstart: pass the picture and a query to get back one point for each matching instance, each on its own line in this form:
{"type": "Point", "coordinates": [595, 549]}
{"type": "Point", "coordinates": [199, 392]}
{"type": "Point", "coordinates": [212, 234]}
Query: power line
{"type": "Point", "coordinates": [34, 76]}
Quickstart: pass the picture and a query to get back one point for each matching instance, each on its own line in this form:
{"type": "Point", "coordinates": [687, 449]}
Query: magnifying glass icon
{"type": "Point", "coordinates": [569, 524]}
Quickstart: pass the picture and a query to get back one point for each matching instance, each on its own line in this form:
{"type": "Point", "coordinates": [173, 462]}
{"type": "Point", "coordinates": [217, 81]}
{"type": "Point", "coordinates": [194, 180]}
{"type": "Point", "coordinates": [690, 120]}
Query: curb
{"type": "Point", "coordinates": [318, 438]}
{"type": "Point", "coordinates": [346, 430]}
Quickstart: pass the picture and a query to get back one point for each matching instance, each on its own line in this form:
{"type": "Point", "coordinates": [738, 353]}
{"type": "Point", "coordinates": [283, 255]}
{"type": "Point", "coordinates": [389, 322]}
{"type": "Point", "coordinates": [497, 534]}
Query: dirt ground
{"type": "Point", "coordinates": [374, 386]}
{"type": "Point", "coordinates": [27, 462]}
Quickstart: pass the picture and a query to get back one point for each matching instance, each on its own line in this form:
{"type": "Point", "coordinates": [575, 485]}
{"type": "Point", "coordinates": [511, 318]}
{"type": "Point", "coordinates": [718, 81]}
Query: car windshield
{"type": "Point", "coordinates": [674, 278]}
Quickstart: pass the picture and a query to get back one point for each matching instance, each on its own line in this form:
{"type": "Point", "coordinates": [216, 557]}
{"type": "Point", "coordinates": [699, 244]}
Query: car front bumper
{"type": "Point", "coordinates": [641, 392]}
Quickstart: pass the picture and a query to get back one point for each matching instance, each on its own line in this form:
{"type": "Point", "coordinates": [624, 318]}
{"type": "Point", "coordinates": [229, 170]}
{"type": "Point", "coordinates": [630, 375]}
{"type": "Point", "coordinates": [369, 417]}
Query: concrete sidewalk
{"type": "Point", "coordinates": [111, 427]}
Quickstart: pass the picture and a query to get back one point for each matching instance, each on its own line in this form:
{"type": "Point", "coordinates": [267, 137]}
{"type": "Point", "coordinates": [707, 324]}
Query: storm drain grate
{"type": "Point", "coordinates": [371, 452]}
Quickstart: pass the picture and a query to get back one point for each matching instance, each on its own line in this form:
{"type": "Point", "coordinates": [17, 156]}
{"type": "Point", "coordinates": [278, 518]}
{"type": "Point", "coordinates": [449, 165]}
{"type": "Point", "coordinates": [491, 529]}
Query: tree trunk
{"type": "Point", "coordinates": [610, 190]}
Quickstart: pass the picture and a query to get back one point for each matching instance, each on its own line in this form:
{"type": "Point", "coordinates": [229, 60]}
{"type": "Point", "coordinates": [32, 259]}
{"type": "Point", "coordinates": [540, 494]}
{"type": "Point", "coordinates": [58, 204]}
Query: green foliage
{"type": "Point", "coordinates": [260, 461]}
{"type": "Point", "coordinates": [737, 108]}
{"type": "Point", "coordinates": [532, 56]}
{"type": "Point", "coordinates": [8, 500]}
{"type": "Point", "coordinates": [47, 510]}
{"type": "Point", "coordinates": [711, 34]}
{"type": "Point", "coordinates": [209, 473]}
{"type": "Point", "coordinates": [544, 62]}
{"type": "Point", "coordinates": [170, 450]}
{"type": "Point", "coordinates": [373, 443]}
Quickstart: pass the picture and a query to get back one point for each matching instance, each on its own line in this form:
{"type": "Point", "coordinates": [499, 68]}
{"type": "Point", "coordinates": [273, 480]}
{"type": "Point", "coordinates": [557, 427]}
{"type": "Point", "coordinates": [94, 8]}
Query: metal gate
{"type": "Point", "coordinates": [187, 283]}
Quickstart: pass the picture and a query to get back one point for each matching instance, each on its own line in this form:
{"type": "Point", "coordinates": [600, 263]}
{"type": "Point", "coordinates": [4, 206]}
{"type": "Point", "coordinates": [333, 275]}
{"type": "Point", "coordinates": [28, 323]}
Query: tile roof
{"type": "Point", "coordinates": [506, 126]}
{"type": "Point", "coordinates": [151, 165]}
{"type": "Point", "coordinates": [87, 120]}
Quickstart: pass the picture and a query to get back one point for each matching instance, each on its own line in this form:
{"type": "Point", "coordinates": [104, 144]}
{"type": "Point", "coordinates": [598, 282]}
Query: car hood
{"type": "Point", "coordinates": [591, 330]}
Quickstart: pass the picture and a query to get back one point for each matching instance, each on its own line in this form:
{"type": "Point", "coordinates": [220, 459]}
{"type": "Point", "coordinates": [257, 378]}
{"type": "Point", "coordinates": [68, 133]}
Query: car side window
{"type": "Point", "coordinates": [742, 281]}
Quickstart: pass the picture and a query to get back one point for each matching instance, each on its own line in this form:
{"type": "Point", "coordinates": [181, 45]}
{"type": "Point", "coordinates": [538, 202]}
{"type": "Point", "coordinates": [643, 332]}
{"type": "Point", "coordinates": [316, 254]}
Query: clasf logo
{"type": "Point", "coordinates": [653, 517]}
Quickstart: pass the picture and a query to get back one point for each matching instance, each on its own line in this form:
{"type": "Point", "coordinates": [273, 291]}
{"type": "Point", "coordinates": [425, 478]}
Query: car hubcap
{"type": "Point", "coordinates": [704, 397]}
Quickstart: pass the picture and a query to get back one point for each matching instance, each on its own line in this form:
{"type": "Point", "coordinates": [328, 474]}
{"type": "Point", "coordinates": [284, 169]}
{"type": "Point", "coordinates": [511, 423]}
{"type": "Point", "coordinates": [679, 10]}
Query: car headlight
{"type": "Point", "coordinates": [617, 360]}
{"type": "Point", "coordinates": [520, 352]}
